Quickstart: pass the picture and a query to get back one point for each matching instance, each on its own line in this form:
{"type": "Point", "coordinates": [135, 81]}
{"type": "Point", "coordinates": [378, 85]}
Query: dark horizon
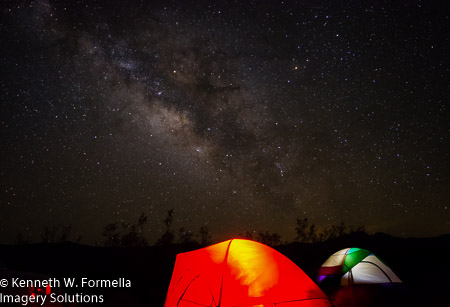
{"type": "Point", "coordinates": [131, 235]}
{"type": "Point", "coordinates": [239, 116]}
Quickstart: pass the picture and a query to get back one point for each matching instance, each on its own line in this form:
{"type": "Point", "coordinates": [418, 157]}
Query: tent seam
{"type": "Point", "coordinates": [225, 261]}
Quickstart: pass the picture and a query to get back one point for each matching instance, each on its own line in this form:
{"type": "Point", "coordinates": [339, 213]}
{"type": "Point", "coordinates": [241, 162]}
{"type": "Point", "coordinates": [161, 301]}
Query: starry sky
{"type": "Point", "coordinates": [239, 115]}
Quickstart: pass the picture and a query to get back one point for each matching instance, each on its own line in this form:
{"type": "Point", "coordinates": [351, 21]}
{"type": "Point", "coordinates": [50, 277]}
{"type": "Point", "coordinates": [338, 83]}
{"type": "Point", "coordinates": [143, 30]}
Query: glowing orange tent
{"type": "Point", "coordinates": [240, 273]}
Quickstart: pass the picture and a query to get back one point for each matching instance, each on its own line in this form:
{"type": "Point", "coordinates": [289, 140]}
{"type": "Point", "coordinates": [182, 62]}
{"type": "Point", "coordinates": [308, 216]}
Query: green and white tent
{"type": "Point", "coordinates": [352, 266]}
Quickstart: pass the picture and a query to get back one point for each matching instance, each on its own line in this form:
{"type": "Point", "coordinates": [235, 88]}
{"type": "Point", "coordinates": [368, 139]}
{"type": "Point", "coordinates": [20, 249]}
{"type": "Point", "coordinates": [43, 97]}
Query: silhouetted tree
{"type": "Point", "coordinates": [141, 222]}
{"type": "Point", "coordinates": [133, 238]}
{"type": "Point", "coordinates": [339, 229]}
{"type": "Point", "coordinates": [66, 233]}
{"type": "Point", "coordinates": [169, 219]}
{"type": "Point", "coordinates": [55, 234]}
{"type": "Point", "coordinates": [306, 232]}
{"type": "Point", "coordinates": [168, 237]}
{"type": "Point", "coordinates": [134, 234]}
{"type": "Point", "coordinates": [48, 234]}
{"type": "Point", "coordinates": [205, 235]}
{"type": "Point", "coordinates": [22, 240]}
{"type": "Point", "coordinates": [128, 235]}
{"type": "Point", "coordinates": [311, 235]}
{"type": "Point", "coordinates": [271, 239]}
{"type": "Point", "coordinates": [112, 235]}
{"type": "Point", "coordinates": [185, 236]}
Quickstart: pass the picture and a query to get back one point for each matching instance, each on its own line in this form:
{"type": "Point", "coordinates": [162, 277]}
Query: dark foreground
{"type": "Point", "coordinates": [422, 264]}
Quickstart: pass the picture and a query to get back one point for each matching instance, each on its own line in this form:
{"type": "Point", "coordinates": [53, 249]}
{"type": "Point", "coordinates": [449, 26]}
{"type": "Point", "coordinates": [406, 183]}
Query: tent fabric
{"type": "Point", "coordinates": [370, 271]}
{"type": "Point", "coordinates": [357, 266]}
{"type": "Point", "coordinates": [240, 273]}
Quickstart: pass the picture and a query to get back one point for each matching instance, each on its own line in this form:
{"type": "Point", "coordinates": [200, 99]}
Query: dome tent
{"type": "Point", "coordinates": [240, 273]}
{"type": "Point", "coordinates": [356, 277]}
{"type": "Point", "coordinates": [356, 266]}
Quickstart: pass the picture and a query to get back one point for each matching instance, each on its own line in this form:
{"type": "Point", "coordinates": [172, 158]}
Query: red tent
{"type": "Point", "coordinates": [240, 273]}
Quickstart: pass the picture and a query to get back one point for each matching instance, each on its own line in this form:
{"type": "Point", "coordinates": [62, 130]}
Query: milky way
{"type": "Point", "coordinates": [239, 116]}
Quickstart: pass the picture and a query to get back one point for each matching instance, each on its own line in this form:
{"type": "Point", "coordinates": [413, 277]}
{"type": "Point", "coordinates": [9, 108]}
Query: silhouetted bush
{"type": "Point", "coordinates": [205, 235]}
{"type": "Point", "coordinates": [168, 237]}
{"type": "Point", "coordinates": [129, 235]}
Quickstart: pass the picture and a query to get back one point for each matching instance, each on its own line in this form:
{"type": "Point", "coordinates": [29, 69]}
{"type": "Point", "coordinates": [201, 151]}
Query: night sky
{"type": "Point", "coordinates": [239, 115]}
